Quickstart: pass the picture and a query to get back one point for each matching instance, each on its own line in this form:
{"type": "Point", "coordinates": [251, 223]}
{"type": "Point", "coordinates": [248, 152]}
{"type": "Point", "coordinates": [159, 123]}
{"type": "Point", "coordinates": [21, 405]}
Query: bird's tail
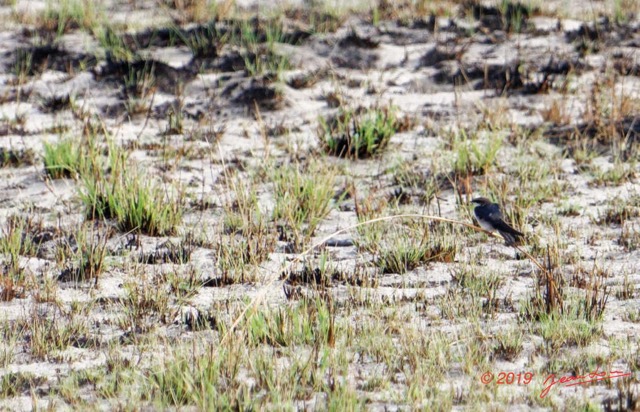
{"type": "Point", "coordinates": [510, 239]}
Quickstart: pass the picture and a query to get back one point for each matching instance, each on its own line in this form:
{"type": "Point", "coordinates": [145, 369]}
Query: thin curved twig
{"type": "Point", "coordinates": [254, 302]}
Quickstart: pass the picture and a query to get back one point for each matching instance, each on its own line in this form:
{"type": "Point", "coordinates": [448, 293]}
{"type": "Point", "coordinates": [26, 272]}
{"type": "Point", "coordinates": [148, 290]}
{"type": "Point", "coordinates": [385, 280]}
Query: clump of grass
{"type": "Point", "coordinates": [618, 212]}
{"type": "Point", "coordinates": [16, 241]}
{"type": "Point", "coordinates": [404, 11]}
{"type": "Point", "coordinates": [359, 134]}
{"type": "Point", "coordinates": [401, 248]}
{"type": "Point", "coordinates": [321, 18]}
{"type": "Point", "coordinates": [113, 44]}
{"type": "Point", "coordinates": [184, 286]}
{"type": "Point", "coordinates": [407, 175]}
{"type": "Point", "coordinates": [591, 307]}
{"type": "Point", "coordinates": [247, 238]}
{"type": "Point", "coordinates": [74, 158]}
{"type": "Point", "coordinates": [573, 321]}
{"type": "Point", "coordinates": [372, 206]}
{"type": "Point", "coordinates": [425, 184]}
{"type": "Point", "coordinates": [404, 254]}
{"type": "Point", "coordinates": [48, 332]}
{"type": "Point", "coordinates": [627, 290]}
{"type": "Point", "coordinates": [514, 15]}
{"type": "Point", "coordinates": [620, 173]}
{"type": "Point", "coordinates": [508, 344]}
{"type": "Point", "coordinates": [548, 295]}
{"type": "Point", "coordinates": [207, 382]}
{"type": "Point", "coordinates": [303, 199]}
{"type": "Point", "coordinates": [319, 276]}
{"type": "Point", "coordinates": [260, 42]}
{"type": "Point", "coordinates": [207, 378]}
{"type": "Point", "coordinates": [623, 11]}
{"type": "Point", "coordinates": [631, 315]}
{"type": "Point", "coordinates": [630, 237]}
{"type": "Point", "coordinates": [22, 66]}
{"type": "Point", "coordinates": [540, 181]}
{"type": "Point", "coordinates": [242, 213]}
{"type": "Point", "coordinates": [204, 41]}
{"type": "Point", "coordinates": [569, 209]}
{"type": "Point", "coordinates": [136, 202]}
{"type": "Point", "coordinates": [607, 105]}
{"type": "Point", "coordinates": [63, 159]}
{"type": "Point", "coordinates": [236, 255]}
{"type": "Point", "coordinates": [175, 123]}
{"type": "Point", "coordinates": [20, 383]}
{"type": "Point", "coordinates": [68, 15]}
{"type": "Point", "coordinates": [560, 330]}
{"type": "Point", "coordinates": [140, 82]}
{"type": "Point", "coordinates": [458, 303]}
{"type": "Point", "coordinates": [87, 251]}
{"type": "Point", "coordinates": [481, 289]}
{"type": "Point", "coordinates": [192, 11]}
{"type": "Point", "coordinates": [557, 112]}
{"type": "Point", "coordinates": [304, 323]}
{"type": "Point", "coordinates": [13, 275]}
{"type": "Point", "coordinates": [145, 305]}
{"type": "Point", "coordinates": [472, 156]}
{"type": "Point", "coordinates": [482, 285]}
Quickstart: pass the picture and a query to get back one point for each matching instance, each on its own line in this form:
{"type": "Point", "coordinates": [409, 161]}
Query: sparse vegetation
{"type": "Point", "coordinates": [208, 206]}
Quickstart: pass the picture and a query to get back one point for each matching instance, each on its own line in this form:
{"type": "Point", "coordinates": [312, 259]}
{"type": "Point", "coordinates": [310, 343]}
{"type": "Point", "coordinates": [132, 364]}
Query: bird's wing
{"type": "Point", "coordinates": [503, 226]}
{"type": "Point", "coordinates": [494, 212]}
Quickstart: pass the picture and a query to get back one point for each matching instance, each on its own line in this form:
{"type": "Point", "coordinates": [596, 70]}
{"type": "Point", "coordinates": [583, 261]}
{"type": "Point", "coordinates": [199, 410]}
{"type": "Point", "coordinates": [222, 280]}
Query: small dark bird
{"type": "Point", "coordinates": [489, 217]}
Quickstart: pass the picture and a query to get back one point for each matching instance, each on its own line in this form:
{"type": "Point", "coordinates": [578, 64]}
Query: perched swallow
{"type": "Point", "coordinates": [489, 217]}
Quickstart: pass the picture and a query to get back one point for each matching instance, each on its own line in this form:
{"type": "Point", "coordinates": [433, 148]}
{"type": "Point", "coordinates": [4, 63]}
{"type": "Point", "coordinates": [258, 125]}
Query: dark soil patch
{"type": "Point", "coordinates": [437, 55]}
{"type": "Point", "coordinates": [35, 60]}
{"type": "Point", "coordinates": [16, 157]}
{"type": "Point", "coordinates": [316, 277]}
{"type": "Point", "coordinates": [197, 320]}
{"type": "Point", "coordinates": [132, 74]}
{"type": "Point", "coordinates": [258, 92]}
{"type": "Point", "coordinates": [55, 103]}
{"type": "Point", "coordinates": [353, 39]}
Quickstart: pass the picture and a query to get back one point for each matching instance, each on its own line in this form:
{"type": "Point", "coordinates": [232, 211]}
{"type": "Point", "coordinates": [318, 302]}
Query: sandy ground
{"type": "Point", "coordinates": [448, 74]}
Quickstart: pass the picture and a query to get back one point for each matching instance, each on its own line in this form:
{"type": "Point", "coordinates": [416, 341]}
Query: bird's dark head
{"type": "Point", "coordinates": [481, 201]}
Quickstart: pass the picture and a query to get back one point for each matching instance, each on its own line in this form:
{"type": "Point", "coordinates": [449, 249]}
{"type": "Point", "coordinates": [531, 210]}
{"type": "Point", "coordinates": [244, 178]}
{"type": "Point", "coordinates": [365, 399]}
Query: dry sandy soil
{"type": "Point", "coordinates": [534, 107]}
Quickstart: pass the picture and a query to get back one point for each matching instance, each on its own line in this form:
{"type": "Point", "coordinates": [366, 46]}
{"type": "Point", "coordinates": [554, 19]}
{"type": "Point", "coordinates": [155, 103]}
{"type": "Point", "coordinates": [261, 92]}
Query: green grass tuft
{"type": "Point", "coordinates": [357, 135]}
